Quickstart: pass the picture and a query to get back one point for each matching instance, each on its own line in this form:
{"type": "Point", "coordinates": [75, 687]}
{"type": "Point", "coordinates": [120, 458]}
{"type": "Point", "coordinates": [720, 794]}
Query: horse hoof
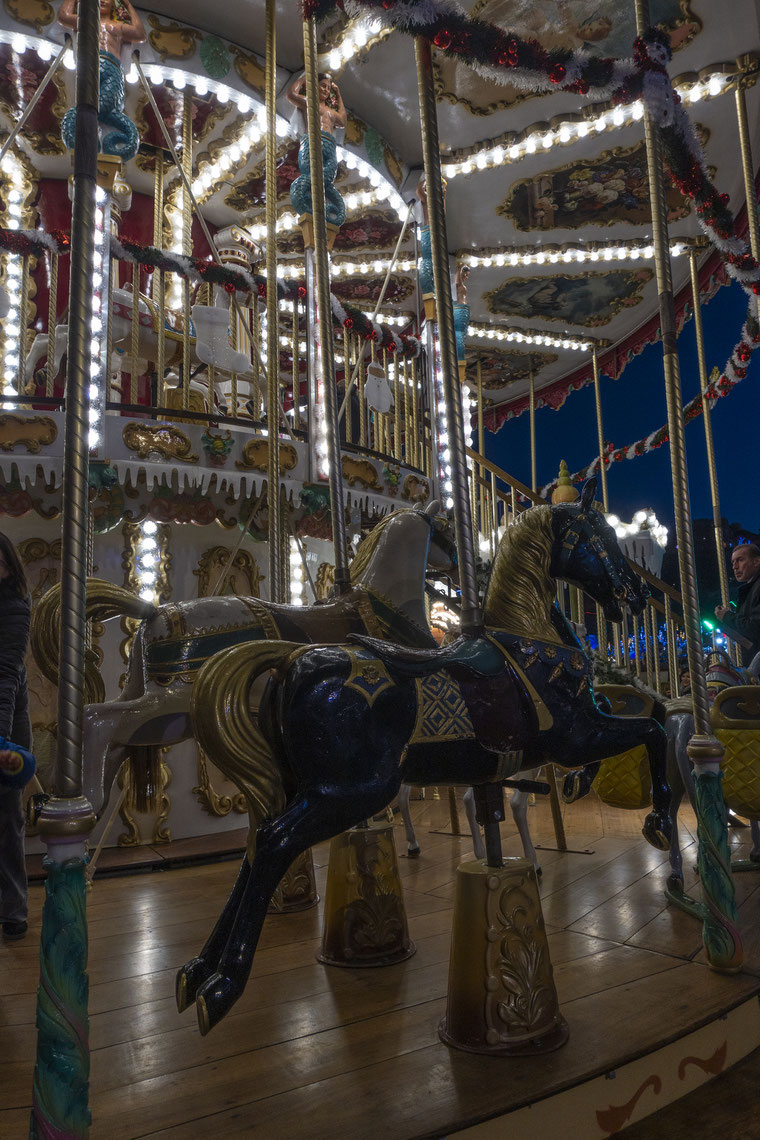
{"type": "Point", "coordinates": [675, 884]}
{"type": "Point", "coordinates": [413, 852]}
{"type": "Point", "coordinates": [190, 978]}
{"type": "Point", "coordinates": [656, 830]}
{"type": "Point", "coordinates": [214, 1000]}
{"type": "Point", "coordinates": [539, 873]}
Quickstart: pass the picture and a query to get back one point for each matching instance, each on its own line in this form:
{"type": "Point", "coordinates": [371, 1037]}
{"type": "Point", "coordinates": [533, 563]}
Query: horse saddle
{"type": "Point", "coordinates": [473, 657]}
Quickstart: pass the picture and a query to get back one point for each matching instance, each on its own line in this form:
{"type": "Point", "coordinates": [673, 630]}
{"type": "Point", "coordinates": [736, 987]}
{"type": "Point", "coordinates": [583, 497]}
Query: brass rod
{"type": "Point", "coordinates": [23, 317]}
{"type": "Point", "coordinates": [161, 333]}
{"type": "Point", "coordinates": [680, 478]}
{"type": "Point", "coordinates": [600, 431]}
{"type": "Point", "coordinates": [471, 615]}
{"type": "Point", "coordinates": [273, 311]}
{"type": "Point", "coordinates": [322, 266]}
{"type": "Point", "coordinates": [481, 438]}
{"type": "Point", "coordinates": [52, 317]}
{"type": "Point", "coordinates": [68, 774]}
{"type": "Point", "coordinates": [134, 337]}
{"type": "Point", "coordinates": [710, 443]}
{"type": "Point", "coordinates": [532, 414]}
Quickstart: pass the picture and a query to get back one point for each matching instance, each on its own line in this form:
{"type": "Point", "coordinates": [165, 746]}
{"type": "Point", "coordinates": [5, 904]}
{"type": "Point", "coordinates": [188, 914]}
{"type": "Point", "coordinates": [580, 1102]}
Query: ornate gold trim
{"type": "Point", "coordinates": [37, 13]}
{"type": "Point", "coordinates": [208, 797]}
{"type": "Point", "coordinates": [34, 432]}
{"type": "Point", "coordinates": [173, 40]}
{"type": "Point", "coordinates": [215, 560]}
{"type": "Point", "coordinates": [167, 442]}
{"type": "Point", "coordinates": [360, 471]}
{"type": "Point", "coordinates": [255, 456]}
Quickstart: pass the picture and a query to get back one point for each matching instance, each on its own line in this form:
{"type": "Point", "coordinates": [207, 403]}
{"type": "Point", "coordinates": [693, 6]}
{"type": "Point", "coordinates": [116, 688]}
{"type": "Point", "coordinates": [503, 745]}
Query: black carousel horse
{"type": "Point", "coordinates": [345, 725]}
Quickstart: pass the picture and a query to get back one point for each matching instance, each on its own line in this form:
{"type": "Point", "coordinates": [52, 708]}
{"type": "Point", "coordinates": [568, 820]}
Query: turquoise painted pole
{"type": "Point", "coordinates": [62, 1070]}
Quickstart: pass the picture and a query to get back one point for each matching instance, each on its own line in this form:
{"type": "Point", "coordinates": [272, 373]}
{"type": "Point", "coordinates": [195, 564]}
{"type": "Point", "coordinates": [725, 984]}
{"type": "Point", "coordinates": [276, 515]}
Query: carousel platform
{"type": "Point", "coordinates": [312, 1051]}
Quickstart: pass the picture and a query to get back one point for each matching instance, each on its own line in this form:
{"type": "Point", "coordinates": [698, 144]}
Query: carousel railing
{"type": "Point", "coordinates": [193, 354]}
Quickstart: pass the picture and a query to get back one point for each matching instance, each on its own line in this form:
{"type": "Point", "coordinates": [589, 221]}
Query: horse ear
{"type": "Point", "coordinates": [587, 494]}
{"type": "Point", "coordinates": [432, 509]}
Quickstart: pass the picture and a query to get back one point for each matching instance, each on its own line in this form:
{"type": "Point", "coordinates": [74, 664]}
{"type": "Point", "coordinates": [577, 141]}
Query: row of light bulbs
{"type": "Point", "coordinates": [13, 171]}
{"type": "Point", "coordinates": [536, 256]}
{"type": "Point", "coordinates": [356, 38]}
{"type": "Point", "coordinates": [644, 521]}
{"type": "Point", "coordinates": [488, 332]}
{"type": "Point", "coordinates": [541, 139]}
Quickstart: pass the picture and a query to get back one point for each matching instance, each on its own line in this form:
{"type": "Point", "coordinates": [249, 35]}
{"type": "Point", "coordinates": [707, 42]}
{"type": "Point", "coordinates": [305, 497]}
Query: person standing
{"type": "Point", "coordinates": [15, 726]}
{"type": "Point", "coordinates": [745, 619]}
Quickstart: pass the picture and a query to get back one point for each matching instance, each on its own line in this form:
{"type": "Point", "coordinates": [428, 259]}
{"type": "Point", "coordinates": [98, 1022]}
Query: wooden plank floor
{"type": "Point", "coordinates": [306, 1038]}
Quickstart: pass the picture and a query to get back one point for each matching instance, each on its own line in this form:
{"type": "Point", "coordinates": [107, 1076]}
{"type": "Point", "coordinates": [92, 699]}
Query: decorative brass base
{"type": "Point", "coordinates": [365, 921]}
{"type": "Point", "coordinates": [428, 300]}
{"type": "Point", "coordinates": [501, 999]}
{"type": "Point", "coordinates": [297, 889]}
{"type": "Point", "coordinates": [306, 222]}
{"type": "Point", "coordinates": [462, 365]}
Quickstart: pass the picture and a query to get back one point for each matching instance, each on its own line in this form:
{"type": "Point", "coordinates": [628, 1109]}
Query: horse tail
{"type": "Point", "coordinates": [226, 726]}
{"type": "Point", "coordinates": [103, 600]}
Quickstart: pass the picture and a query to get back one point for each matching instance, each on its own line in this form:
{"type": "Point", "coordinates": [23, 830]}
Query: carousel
{"type": "Point", "coordinates": [269, 286]}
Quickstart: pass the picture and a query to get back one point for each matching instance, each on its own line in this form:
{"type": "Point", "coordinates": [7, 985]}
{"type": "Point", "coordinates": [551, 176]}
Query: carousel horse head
{"type": "Point", "coordinates": [587, 554]}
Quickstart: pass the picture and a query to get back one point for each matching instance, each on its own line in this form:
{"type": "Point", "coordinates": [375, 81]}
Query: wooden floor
{"type": "Point", "coordinates": [312, 1052]}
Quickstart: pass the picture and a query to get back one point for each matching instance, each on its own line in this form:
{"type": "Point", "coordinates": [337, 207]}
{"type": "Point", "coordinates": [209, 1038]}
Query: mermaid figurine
{"type": "Point", "coordinates": [332, 116]}
{"type": "Point", "coordinates": [119, 24]}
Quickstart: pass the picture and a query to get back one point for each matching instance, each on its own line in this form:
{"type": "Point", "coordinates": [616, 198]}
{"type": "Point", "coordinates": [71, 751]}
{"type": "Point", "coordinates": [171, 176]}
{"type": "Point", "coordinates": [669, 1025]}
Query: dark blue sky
{"type": "Point", "coordinates": [634, 406]}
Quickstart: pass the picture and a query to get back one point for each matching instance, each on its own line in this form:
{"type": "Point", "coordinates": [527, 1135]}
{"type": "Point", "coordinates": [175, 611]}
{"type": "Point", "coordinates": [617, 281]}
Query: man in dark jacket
{"type": "Point", "coordinates": [745, 619]}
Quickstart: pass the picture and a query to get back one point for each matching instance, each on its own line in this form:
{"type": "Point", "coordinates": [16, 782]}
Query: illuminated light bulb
{"type": "Point", "coordinates": [637, 110]}
{"type": "Point", "coordinates": [618, 117]}
{"type": "Point", "coordinates": [155, 75]}
{"type": "Point", "coordinates": [498, 156]}
{"type": "Point", "coordinates": [18, 43]}
{"type": "Point", "coordinates": [69, 62]}
{"type": "Point", "coordinates": [540, 258]}
{"type": "Point", "coordinates": [223, 93]}
{"type": "Point", "coordinates": [44, 51]}
{"type": "Point", "coordinates": [548, 141]}
{"type": "Point", "coordinates": [480, 162]}
{"type": "Point", "coordinates": [715, 86]}
{"type": "Point", "coordinates": [696, 93]}
{"type": "Point", "coordinates": [530, 146]}
{"type": "Point", "coordinates": [564, 134]}
{"type": "Point", "coordinates": [466, 168]}
{"type": "Point", "coordinates": [582, 130]}
{"type": "Point", "coordinates": [514, 152]}
{"type": "Point", "coordinates": [601, 123]}
{"type": "Point", "coordinates": [179, 81]}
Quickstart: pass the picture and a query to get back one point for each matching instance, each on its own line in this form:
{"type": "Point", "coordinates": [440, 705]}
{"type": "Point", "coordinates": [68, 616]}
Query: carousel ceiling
{"type": "Point", "coordinates": [547, 195]}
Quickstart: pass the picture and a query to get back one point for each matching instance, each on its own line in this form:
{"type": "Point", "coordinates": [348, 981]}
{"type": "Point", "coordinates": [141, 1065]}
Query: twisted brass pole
{"type": "Point", "coordinates": [707, 417]}
{"type": "Point", "coordinates": [721, 938]}
{"type": "Point", "coordinates": [322, 264]}
{"type": "Point", "coordinates": [273, 314]}
{"type": "Point", "coordinates": [68, 777]}
{"type": "Point", "coordinates": [471, 616]}
{"type": "Point", "coordinates": [600, 430]}
{"type": "Point", "coordinates": [532, 419]}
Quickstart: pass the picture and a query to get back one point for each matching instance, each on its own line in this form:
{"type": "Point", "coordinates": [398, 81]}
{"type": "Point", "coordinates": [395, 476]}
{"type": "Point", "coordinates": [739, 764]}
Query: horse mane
{"type": "Point", "coordinates": [520, 589]}
{"type": "Point", "coordinates": [368, 545]}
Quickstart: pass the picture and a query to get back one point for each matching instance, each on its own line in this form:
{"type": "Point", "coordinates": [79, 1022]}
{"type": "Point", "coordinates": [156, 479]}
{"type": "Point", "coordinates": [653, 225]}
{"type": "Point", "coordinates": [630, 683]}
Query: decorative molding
{"type": "Point", "coordinates": [360, 471]}
{"type": "Point", "coordinates": [243, 580]}
{"type": "Point", "coordinates": [255, 456]}
{"type": "Point", "coordinates": [166, 442]}
{"type": "Point", "coordinates": [33, 432]}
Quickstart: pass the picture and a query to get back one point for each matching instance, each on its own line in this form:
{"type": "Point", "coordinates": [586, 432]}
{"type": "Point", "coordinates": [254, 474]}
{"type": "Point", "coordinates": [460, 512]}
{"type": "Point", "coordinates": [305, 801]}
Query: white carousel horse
{"type": "Point", "coordinates": [174, 639]}
{"type": "Point", "coordinates": [518, 803]}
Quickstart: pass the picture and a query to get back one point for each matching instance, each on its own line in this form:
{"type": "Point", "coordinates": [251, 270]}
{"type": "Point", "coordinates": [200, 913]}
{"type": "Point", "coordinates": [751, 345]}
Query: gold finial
{"type": "Point", "coordinates": [564, 492]}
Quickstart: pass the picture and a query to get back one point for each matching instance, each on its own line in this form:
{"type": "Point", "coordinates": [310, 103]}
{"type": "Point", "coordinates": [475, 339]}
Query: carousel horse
{"type": "Point", "coordinates": [339, 728]}
{"type": "Point", "coordinates": [724, 683]}
{"type": "Point", "coordinates": [173, 640]}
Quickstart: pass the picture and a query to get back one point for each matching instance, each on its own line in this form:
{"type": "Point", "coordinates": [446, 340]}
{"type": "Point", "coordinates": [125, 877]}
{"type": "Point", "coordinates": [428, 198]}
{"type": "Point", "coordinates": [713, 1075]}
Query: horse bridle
{"type": "Point", "coordinates": [578, 529]}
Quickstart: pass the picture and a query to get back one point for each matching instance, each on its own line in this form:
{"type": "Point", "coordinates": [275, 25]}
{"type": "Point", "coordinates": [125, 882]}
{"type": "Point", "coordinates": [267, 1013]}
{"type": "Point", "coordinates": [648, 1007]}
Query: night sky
{"type": "Point", "coordinates": [633, 407]}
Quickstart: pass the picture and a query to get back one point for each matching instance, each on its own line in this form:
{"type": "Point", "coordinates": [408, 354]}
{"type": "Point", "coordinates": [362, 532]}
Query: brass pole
{"type": "Point", "coordinates": [532, 411]}
{"type": "Point", "coordinates": [23, 318]}
{"type": "Point", "coordinates": [68, 775]}
{"type": "Point", "coordinates": [721, 938]}
{"type": "Point", "coordinates": [471, 616]}
{"type": "Point", "coordinates": [636, 645]}
{"type": "Point", "coordinates": [273, 313]}
{"type": "Point", "coordinates": [296, 370]}
{"type": "Point", "coordinates": [52, 317]}
{"type": "Point", "coordinates": [322, 262]}
{"type": "Point", "coordinates": [481, 442]}
{"type": "Point", "coordinates": [62, 1067]}
{"type": "Point", "coordinates": [134, 337]}
{"type": "Point", "coordinates": [748, 171]}
{"type": "Point", "coordinates": [599, 431]}
{"type": "Point", "coordinates": [707, 417]}
{"type": "Point", "coordinates": [672, 647]}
